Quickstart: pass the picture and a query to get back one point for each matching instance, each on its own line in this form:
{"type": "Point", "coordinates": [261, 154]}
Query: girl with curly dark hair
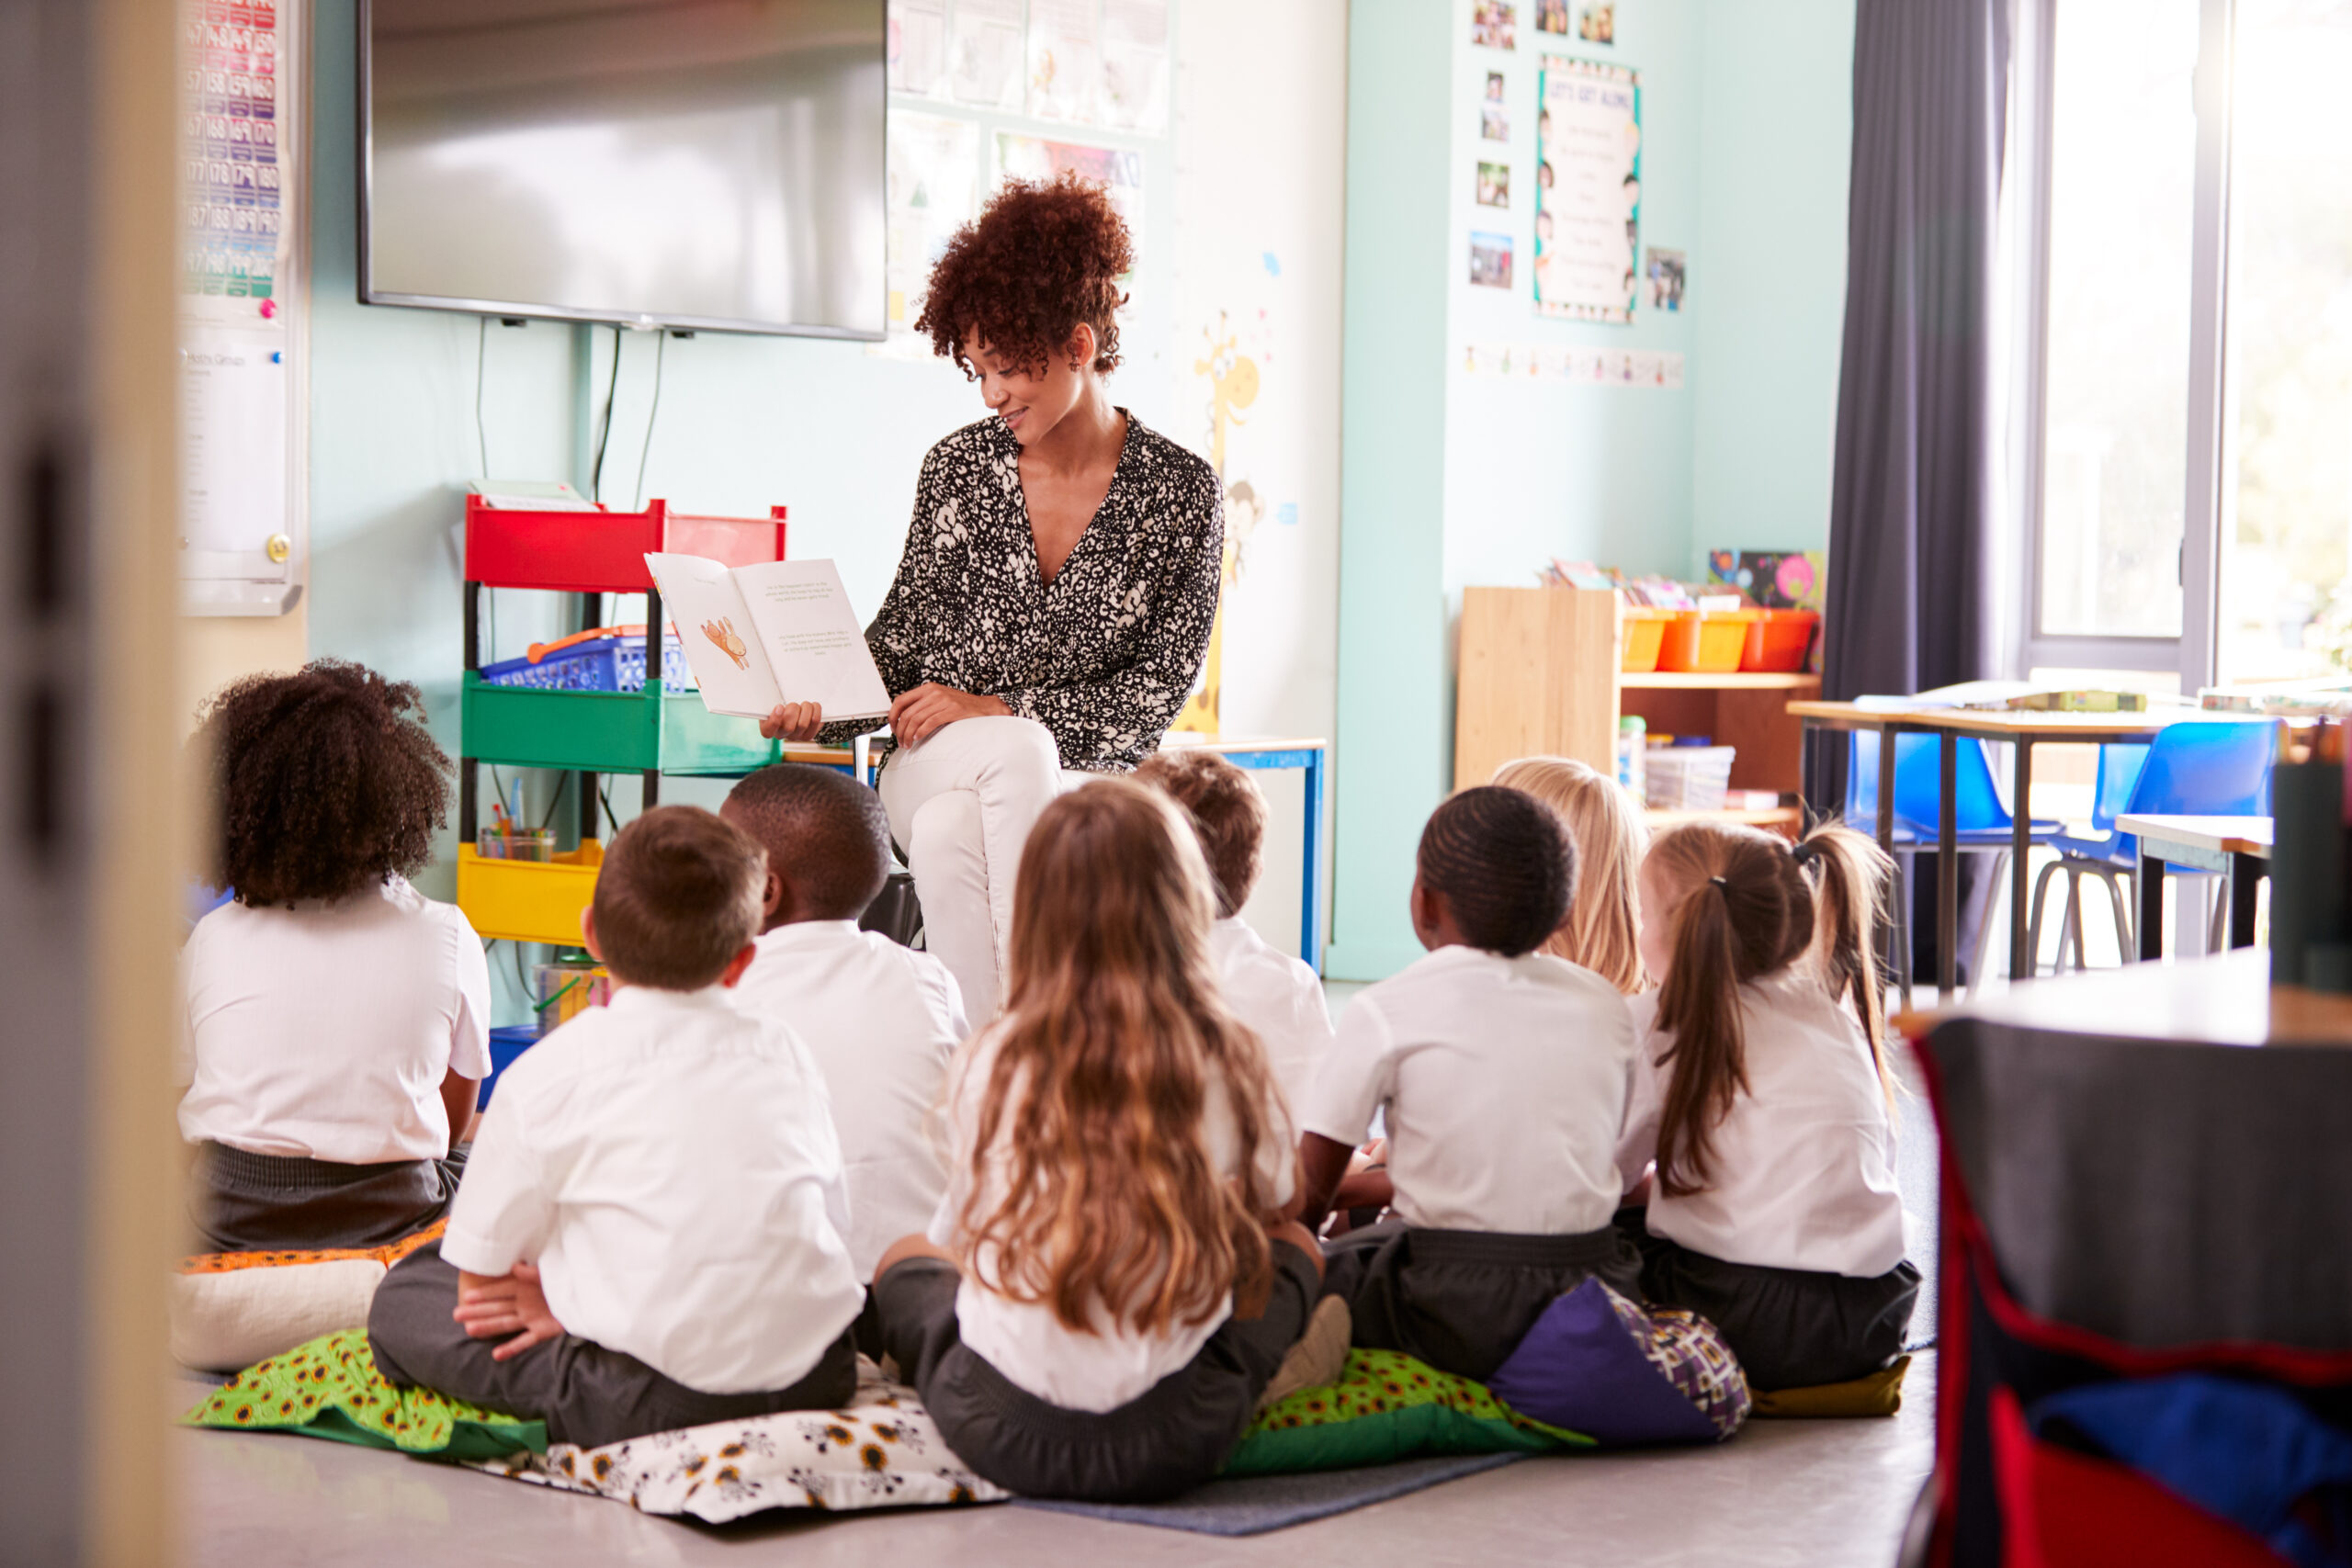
{"type": "Point", "coordinates": [1060, 577]}
{"type": "Point", "coordinates": [338, 1020]}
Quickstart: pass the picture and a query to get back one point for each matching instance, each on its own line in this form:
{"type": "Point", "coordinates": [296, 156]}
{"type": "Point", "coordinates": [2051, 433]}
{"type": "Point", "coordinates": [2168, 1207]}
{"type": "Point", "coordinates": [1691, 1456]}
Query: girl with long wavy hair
{"type": "Point", "coordinates": [1109, 1284]}
{"type": "Point", "coordinates": [1763, 1094]}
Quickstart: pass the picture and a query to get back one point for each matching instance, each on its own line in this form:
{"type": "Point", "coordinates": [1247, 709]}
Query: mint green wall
{"type": "Point", "coordinates": [1768, 270]}
{"type": "Point", "coordinates": [1394, 744]}
{"type": "Point", "coordinates": [1745, 111]}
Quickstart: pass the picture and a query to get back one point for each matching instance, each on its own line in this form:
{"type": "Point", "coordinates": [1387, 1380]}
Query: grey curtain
{"type": "Point", "coordinates": [1912, 488]}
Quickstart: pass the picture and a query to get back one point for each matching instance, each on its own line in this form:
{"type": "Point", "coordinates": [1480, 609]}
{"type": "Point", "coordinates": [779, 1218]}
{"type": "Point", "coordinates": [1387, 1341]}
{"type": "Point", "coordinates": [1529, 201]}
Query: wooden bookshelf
{"type": "Point", "coordinates": [1539, 677]}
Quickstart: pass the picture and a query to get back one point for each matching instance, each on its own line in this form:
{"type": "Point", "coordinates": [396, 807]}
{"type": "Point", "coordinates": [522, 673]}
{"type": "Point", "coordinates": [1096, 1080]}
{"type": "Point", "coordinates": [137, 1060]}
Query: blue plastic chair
{"type": "Point", "coordinates": [1980, 823]}
{"type": "Point", "coordinates": [2194, 768]}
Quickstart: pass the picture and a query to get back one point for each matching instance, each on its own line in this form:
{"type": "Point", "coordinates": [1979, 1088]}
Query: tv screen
{"type": "Point", "coordinates": [691, 164]}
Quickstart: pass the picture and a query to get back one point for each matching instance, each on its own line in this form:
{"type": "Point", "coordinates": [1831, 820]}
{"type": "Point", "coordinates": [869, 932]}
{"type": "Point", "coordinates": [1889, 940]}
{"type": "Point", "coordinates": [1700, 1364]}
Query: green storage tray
{"type": "Point", "coordinates": [607, 732]}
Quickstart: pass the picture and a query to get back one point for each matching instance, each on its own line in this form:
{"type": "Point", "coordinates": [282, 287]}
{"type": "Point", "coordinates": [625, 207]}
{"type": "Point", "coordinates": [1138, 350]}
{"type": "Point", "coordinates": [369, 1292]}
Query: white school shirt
{"type": "Point", "coordinates": [1109, 1365]}
{"type": "Point", "coordinates": [324, 1031]}
{"type": "Point", "coordinates": [1279, 998]}
{"type": "Point", "coordinates": [670, 1165]}
{"type": "Point", "coordinates": [1503, 1084]}
{"type": "Point", "coordinates": [1803, 1174]}
{"type": "Point", "coordinates": [882, 1022]}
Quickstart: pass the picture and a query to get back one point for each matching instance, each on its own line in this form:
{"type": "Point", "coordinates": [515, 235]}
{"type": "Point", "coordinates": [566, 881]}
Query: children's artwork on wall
{"type": "Point", "coordinates": [1494, 123]}
{"type": "Point", "coordinates": [1598, 23]}
{"type": "Point", "coordinates": [1552, 16]}
{"type": "Point", "coordinates": [931, 184]}
{"type": "Point", "coordinates": [1664, 271]}
{"type": "Point", "coordinates": [1135, 66]}
{"type": "Point", "coordinates": [1776, 580]}
{"type": "Point", "coordinates": [984, 53]}
{"type": "Point", "coordinates": [1494, 184]}
{"type": "Point", "coordinates": [916, 54]}
{"type": "Point", "coordinates": [1495, 25]}
{"type": "Point", "coordinates": [1639, 369]}
{"type": "Point", "coordinates": [1490, 260]}
{"type": "Point", "coordinates": [1065, 60]}
{"type": "Point", "coordinates": [1588, 189]}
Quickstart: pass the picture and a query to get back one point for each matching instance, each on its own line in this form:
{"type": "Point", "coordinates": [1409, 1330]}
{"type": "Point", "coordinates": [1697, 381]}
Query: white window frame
{"type": "Point", "coordinates": [2191, 654]}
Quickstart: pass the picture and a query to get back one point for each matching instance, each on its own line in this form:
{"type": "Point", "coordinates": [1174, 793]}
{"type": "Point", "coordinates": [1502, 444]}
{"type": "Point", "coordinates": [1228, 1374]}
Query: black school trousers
{"type": "Point", "coordinates": [1167, 1439]}
{"type": "Point", "coordinates": [250, 1202]}
{"type": "Point", "coordinates": [585, 1393]}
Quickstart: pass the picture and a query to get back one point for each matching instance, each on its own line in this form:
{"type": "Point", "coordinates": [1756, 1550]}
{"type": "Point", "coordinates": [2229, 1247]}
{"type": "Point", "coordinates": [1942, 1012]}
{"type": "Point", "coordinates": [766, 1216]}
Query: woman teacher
{"type": "Point", "coordinates": [1054, 604]}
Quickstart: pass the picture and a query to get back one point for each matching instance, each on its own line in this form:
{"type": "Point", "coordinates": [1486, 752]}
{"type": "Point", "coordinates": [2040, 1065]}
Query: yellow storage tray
{"type": "Point", "coordinates": [526, 901]}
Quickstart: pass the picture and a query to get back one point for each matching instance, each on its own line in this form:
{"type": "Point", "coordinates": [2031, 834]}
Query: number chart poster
{"type": "Point", "coordinates": [1588, 190]}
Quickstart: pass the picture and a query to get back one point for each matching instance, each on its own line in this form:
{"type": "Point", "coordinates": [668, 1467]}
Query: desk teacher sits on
{"type": "Point", "coordinates": [1054, 598]}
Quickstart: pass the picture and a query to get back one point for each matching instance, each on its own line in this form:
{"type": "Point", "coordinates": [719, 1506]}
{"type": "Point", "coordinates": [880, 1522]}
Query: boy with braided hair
{"type": "Point", "coordinates": [1502, 1073]}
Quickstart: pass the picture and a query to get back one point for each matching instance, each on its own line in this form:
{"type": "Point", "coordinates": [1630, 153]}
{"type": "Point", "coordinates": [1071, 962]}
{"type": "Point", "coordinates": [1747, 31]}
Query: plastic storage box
{"type": "Point", "coordinates": [609, 664]}
{"type": "Point", "coordinates": [1705, 642]}
{"type": "Point", "coordinates": [1687, 778]}
{"type": "Point", "coordinates": [520, 901]}
{"type": "Point", "coordinates": [1644, 631]}
{"type": "Point", "coordinates": [1778, 640]}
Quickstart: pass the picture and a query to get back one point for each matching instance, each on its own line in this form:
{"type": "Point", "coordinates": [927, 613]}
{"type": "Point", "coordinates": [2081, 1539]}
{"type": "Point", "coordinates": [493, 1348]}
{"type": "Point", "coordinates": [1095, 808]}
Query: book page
{"type": "Point", "coordinates": [700, 597]}
{"type": "Point", "coordinates": [812, 637]}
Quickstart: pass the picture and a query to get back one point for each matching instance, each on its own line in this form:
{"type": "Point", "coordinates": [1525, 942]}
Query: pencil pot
{"type": "Point", "coordinates": [561, 992]}
{"type": "Point", "coordinates": [534, 845]}
{"type": "Point", "coordinates": [612, 664]}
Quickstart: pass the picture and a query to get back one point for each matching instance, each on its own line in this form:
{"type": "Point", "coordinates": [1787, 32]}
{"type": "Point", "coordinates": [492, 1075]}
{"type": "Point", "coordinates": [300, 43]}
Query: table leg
{"type": "Point", "coordinates": [2022, 959]}
{"type": "Point", "coordinates": [1310, 934]}
{"type": "Point", "coordinates": [1897, 965]}
{"type": "Point", "coordinates": [2152, 905]}
{"type": "Point", "coordinates": [1947, 860]}
{"type": "Point", "coordinates": [2247, 873]}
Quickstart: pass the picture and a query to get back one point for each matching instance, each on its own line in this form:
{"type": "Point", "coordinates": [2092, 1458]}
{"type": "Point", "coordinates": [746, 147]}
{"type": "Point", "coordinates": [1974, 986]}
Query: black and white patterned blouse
{"type": "Point", "coordinates": [1105, 654]}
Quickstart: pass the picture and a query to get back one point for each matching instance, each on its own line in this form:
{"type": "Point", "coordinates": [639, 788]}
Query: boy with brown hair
{"type": "Point", "coordinates": [881, 1020]}
{"type": "Point", "coordinates": [649, 1232]}
{"type": "Point", "coordinates": [1275, 995]}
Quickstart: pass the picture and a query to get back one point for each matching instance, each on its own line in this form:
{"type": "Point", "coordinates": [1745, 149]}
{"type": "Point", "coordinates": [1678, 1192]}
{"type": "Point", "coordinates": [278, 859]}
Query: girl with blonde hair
{"type": "Point", "coordinates": [1602, 931]}
{"type": "Point", "coordinates": [1109, 1284]}
{"type": "Point", "coordinates": [1762, 1092]}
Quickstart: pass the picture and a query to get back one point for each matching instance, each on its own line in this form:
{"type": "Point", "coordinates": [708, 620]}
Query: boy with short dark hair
{"type": "Point", "coordinates": [881, 1020]}
{"type": "Point", "coordinates": [651, 1220]}
{"type": "Point", "coordinates": [1276, 995]}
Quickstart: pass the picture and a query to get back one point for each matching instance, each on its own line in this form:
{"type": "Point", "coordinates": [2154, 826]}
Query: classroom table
{"type": "Point", "coordinates": [1309, 754]}
{"type": "Point", "coordinates": [2024, 729]}
{"type": "Point", "coordinates": [2238, 847]}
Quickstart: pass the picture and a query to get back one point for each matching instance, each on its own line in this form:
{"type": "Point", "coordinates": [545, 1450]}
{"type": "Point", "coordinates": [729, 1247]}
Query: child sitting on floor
{"type": "Point", "coordinates": [337, 1021]}
{"type": "Point", "coordinates": [1502, 1071]}
{"type": "Point", "coordinates": [1762, 1092]}
{"type": "Point", "coordinates": [1274, 993]}
{"type": "Point", "coordinates": [1603, 929]}
{"type": "Point", "coordinates": [1107, 1288]}
{"type": "Point", "coordinates": [651, 1218]}
{"type": "Point", "coordinates": [881, 1020]}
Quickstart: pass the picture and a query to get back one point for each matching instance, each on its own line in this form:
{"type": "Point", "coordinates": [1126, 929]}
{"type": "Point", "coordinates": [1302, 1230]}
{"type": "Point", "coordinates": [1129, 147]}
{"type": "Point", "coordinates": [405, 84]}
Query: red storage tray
{"type": "Point", "coordinates": [603, 551]}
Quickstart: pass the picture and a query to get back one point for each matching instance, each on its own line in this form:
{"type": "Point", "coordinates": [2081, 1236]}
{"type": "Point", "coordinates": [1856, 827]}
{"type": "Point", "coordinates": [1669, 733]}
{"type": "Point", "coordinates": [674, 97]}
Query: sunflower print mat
{"type": "Point", "coordinates": [1388, 1406]}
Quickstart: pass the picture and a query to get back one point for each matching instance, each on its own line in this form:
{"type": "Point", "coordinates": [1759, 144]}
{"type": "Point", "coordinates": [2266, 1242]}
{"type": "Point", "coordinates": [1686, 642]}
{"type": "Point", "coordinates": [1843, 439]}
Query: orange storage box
{"type": "Point", "coordinates": [1705, 642]}
{"type": "Point", "coordinates": [1779, 640]}
{"type": "Point", "coordinates": [1644, 631]}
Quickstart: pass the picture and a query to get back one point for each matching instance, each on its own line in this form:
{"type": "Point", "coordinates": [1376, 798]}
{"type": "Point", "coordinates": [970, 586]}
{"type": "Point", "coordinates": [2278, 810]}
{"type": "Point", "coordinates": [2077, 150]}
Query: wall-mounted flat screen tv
{"type": "Point", "coordinates": [687, 163]}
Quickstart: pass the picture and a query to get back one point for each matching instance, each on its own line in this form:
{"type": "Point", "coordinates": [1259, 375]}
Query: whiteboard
{"type": "Point", "coordinates": [243, 388]}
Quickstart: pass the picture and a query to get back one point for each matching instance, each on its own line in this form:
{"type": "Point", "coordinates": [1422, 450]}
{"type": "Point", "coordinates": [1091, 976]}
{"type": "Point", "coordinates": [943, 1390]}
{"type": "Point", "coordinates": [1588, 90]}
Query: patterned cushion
{"type": "Point", "coordinates": [1880, 1393]}
{"type": "Point", "coordinates": [881, 1452]}
{"type": "Point", "coordinates": [231, 1309]}
{"type": "Point", "coordinates": [1598, 1363]}
{"type": "Point", "coordinates": [1388, 1406]}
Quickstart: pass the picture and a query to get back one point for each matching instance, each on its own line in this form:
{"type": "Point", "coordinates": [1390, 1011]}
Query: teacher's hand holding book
{"type": "Point", "coordinates": [793, 721]}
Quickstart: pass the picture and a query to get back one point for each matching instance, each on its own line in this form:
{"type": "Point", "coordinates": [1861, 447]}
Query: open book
{"type": "Point", "coordinates": [778, 631]}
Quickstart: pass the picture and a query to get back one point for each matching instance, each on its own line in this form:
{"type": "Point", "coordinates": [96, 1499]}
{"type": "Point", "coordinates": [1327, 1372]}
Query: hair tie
{"type": "Point", "coordinates": [1804, 851]}
{"type": "Point", "coordinates": [1720, 883]}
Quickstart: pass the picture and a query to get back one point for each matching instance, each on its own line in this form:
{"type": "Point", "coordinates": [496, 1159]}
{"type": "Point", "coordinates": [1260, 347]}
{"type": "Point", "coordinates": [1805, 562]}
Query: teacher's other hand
{"type": "Point", "coordinates": [793, 721]}
{"type": "Point", "coordinates": [929, 708]}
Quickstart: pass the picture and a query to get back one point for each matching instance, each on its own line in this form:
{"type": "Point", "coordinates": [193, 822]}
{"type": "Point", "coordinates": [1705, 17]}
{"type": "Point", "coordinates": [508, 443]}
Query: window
{"type": "Point", "coordinates": [2184, 192]}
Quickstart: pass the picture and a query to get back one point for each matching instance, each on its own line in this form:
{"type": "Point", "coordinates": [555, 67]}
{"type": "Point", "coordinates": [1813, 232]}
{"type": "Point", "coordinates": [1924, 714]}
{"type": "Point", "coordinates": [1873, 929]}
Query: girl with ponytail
{"type": "Point", "coordinates": [1762, 1093]}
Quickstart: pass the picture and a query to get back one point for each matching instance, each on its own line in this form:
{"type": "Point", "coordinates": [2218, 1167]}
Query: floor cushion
{"type": "Point", "coordinates": [229, 1310]}
{"type": "Point", "coordinates": [1880, 1393]}
{"type": "Point", "coordinates": [1597, 1363]}
{"type": "Point", "coordinates": [1388, 1407]}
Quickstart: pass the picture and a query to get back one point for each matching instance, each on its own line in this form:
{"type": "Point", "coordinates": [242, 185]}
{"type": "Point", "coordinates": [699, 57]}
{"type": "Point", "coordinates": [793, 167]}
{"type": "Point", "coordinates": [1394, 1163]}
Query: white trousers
{"type": "Point", "coordinates": [961, 805]}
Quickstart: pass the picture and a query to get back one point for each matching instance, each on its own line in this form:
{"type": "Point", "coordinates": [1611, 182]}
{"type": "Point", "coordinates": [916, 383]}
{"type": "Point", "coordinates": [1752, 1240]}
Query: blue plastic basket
{"type": "Point", "coordinates": [609, 664]}
{"type": "Point", "coordinates": [507, 1042]}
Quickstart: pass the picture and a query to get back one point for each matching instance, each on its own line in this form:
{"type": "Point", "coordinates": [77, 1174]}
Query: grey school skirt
{"type": "Point", "coordinates": [250, 1202]}
{"type": "Point", "coordinates": [1462, 1301]}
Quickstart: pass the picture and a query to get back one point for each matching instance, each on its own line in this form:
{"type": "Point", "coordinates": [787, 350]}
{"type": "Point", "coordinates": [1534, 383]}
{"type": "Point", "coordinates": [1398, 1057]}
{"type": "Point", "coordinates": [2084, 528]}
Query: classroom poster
{"type": "Point", "coordinates": [932, 186]}
{"type": "Point", "coordinates": [916, 56]}
{"type": "Point", "coordinates": [984, 54]}
{"type": "Point", "coordinates": [1588, 190]}
{"type": "Point", "coordinates": [1135, 66]}
{"type": "Point", "coordinates": [1034, 158]}
{"type": "Point", "coordinates": [1064, 58]}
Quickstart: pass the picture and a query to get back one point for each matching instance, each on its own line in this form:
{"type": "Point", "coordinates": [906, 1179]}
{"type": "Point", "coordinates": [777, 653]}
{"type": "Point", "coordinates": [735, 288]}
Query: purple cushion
{"type": "Point", "coordinates": [1597, 1364]}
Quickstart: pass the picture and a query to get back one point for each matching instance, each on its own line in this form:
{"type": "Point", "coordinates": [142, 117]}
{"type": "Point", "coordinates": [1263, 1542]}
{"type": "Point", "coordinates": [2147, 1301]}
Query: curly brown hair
{"type": "Point", "coordinates": [1043, 257]}
{"type": "Point", "coordinates": [326, 781]}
